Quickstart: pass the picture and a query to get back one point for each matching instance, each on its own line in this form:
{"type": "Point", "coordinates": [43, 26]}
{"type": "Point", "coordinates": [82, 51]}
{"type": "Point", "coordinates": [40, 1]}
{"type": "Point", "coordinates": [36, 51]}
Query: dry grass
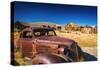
{"type": "Point", "coordinates": [84, 40]}
{"type": "Point", "coordinates": [19, 58]}
{"type": "Point", "coordinates": [18, 54]}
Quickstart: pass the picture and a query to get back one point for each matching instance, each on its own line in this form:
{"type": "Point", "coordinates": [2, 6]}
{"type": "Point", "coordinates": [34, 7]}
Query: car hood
{"type": "Point", "coordinates": [56, 39]}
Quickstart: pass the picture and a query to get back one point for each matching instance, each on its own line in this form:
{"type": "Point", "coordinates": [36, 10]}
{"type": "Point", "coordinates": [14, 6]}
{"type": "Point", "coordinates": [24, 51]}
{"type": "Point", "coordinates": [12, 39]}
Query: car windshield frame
{"type": "Point", "coordinates": [43, 32]}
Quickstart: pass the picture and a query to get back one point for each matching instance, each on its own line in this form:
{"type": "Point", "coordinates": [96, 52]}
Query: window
{"type": "Point", "coordinates": [44, 32]}
{"type": "Point", "coordinates": [51, 33]}
{"type": "Point", "coordinates": [27, 34]}
{"type": "Point", "coordinates": [37, 34]}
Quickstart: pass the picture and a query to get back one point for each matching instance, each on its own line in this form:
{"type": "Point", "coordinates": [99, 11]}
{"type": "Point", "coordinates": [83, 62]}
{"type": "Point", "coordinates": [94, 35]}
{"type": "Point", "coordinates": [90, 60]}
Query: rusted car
{"type": "Point", "coordinates": [43, 46]}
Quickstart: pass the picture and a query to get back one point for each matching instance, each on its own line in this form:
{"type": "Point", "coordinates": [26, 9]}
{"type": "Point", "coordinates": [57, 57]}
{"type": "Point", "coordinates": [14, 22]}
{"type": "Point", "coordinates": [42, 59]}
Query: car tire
{"type": "Point", "coordinates": [45, 58]}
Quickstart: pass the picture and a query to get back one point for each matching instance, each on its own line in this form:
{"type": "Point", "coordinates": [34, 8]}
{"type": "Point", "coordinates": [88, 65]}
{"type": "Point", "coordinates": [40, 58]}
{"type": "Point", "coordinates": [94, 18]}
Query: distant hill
{"type": "Point", "coordinates": [41, 24]}
{"type": "Point", "coordinates": [84, 29]}
{"type": "Point", "coordinates": [72, 26]}
{"type": "Point", "coordinates": [21, 25]}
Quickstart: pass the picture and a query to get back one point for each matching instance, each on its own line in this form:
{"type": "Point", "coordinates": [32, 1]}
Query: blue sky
{"type": "Point", "coordinates": [60, 14]}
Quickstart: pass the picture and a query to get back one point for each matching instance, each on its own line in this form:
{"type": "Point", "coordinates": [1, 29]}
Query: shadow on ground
{"type": "Point", "coordinates": [90, 57]}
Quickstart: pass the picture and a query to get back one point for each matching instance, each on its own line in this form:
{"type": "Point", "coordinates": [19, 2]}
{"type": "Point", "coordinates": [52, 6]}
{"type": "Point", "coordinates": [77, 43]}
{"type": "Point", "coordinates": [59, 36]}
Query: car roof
{"type": "Point", "coordinates": [42, 28]}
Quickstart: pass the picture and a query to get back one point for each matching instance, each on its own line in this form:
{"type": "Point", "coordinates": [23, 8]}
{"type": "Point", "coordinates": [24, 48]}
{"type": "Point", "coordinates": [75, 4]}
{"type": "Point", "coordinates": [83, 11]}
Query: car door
{"type": "Point", "coordinates": [26, 38]}
{"type": "Point", "coordinates": [44, 46]}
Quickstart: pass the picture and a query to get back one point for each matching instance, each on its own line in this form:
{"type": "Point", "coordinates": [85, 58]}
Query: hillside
{"type": "Point", "coordinates": [84, 29]}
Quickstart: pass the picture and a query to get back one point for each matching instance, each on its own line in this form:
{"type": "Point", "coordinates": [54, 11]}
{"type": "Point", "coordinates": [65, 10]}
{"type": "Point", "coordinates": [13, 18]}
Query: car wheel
{"type": "Point", "coordinates": [45, 58]}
